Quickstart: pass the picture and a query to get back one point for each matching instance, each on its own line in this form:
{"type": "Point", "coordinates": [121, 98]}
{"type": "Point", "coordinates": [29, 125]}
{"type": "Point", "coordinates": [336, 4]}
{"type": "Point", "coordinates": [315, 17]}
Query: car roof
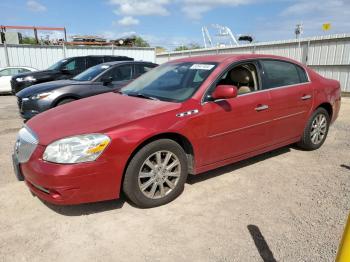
{"type": "Point", "coordinates": [231, 58]}
{"type": "Point", "coordinates": [9, 67]}
{"type": "Point", "coordinates": [97, 56]}
{"type": "Point", "coordinates": [126, 61]}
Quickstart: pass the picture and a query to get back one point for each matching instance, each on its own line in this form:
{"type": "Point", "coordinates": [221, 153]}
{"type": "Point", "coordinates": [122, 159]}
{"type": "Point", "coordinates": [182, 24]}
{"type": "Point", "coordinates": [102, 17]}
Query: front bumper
{"type": "Point", "coordinates": [18, 86]}
{"type": "Point", "coordinates": [29, 108]}
{"type": "Point", "coordinates": [67, 184]}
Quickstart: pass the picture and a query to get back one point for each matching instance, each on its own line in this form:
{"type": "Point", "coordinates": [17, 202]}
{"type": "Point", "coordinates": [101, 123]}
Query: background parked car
{"type": "Point", "coordinates": [7, 73]}
{"type": "Point", "coordinates": [63, 69]}
{"type": "Point", "coordinates": [98, 79]}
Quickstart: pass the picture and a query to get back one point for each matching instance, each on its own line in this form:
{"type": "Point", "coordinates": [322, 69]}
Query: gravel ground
{"type": "Point", "coordinates": [286, 205]}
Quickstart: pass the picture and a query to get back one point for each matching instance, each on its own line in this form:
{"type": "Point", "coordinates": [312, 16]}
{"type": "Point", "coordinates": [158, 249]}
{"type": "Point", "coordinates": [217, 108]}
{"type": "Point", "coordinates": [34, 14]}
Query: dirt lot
{"type": "Point", "coordinates": [287, 205]}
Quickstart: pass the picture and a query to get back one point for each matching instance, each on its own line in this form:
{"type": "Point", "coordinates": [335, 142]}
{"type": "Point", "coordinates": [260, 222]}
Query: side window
{"type": "Point", "coordinates": [244, 77]}
{"type": "Point", "coordinates": [143, 68]}
{"type": "Point", "coordinates": [76, 64]}
{"type": "Point", "coordinates": [120, 73]}
{"type": "Point", "coordinates": [5, 72]}
{"type": "Point", "coordinates": [280, 73]}
{"type": "Point", "coordinates": [22, 70]}
{"type": "Point", "coordinates": [92, 61]}
{"type": "Point", "coordinates": [70, 65]}
{"type": "Point", "coordinates": [16, 71]}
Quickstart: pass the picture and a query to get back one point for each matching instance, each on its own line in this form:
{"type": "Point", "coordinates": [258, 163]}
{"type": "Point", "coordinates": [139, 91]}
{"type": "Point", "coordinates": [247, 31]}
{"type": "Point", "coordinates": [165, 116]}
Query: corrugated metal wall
{"type": "Point", "coordinates": [41, 57]}
{"type": "Point", "coordinates": [328, 55]}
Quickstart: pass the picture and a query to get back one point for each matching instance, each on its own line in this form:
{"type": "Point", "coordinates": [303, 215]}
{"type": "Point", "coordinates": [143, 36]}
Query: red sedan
{"type": "Point", "coordinates": [184, 117]}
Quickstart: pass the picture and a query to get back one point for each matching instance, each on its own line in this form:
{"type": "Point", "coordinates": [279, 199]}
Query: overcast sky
{"type": "Point", "coordinates": [171, 23]}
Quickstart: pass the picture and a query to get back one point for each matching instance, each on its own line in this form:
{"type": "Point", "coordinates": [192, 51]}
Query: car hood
{"type": "Point", "coordinates": [37, 74]}
{"type": "Point", "coordinates": [94, 114]}
{"type": "Point", "coordinates": [48, 86]}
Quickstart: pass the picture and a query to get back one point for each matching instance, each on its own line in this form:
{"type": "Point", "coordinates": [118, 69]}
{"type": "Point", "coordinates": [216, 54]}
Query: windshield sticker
{"type": "Point", "coordinates": [201, 67]}
{"type": "Point", "coordinates": [104, 66]}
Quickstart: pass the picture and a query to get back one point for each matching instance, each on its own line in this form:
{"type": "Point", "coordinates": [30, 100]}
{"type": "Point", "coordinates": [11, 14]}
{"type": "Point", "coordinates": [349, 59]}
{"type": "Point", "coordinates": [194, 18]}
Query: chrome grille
{"type": "Point", "coordinates": [25, 144]}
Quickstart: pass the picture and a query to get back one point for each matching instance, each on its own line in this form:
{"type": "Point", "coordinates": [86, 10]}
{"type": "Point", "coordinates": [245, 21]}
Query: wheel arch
{"type": "Point", "coordinates": [66, 96]}
{"type": "Point", "coordinates": [328, 107]}
{"type": "Point", "coordinates": [178, 138]}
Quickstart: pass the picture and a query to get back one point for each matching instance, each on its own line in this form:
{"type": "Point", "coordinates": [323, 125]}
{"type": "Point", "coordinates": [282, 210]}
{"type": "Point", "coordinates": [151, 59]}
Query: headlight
{"type": "Point", "coordinates": [27, 78]}
{"type": "Point", "coordinates": [76, 149]}
{"type": "Point", "coordinates": [40, 96]}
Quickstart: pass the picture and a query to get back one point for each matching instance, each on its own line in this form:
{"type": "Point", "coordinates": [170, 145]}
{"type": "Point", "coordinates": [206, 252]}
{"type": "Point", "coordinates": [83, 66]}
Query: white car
{"type": "Point", "coordinates": [6, 74]}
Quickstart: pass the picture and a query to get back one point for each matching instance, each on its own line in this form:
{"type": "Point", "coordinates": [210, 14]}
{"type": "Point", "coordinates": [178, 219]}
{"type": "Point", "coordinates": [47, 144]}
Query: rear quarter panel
{"type": "Point", "coordinates": [326, 91]}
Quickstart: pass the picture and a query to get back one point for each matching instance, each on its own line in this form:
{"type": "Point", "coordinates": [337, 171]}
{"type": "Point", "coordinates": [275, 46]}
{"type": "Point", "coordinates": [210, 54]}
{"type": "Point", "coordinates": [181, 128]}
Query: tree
{"type": "Point", "coordinates": [190, 46]}
{"type": "Point", "coordinates": [28, 40]}
{"type": "Point", "coordinates": [140, 42]}
{"type": "Point", "coordinates": [160, 49]}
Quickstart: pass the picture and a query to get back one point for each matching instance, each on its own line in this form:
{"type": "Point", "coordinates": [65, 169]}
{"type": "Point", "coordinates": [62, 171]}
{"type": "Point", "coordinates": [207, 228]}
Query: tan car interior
{"type": "Point", "coordinates": [242, 76]}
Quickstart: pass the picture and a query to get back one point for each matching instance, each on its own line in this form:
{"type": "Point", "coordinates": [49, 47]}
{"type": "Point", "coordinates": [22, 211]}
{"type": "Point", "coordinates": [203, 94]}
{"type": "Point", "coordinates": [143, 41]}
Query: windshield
{"type": "Point", "coordinates": [91, 73]}
{"type": "Point", "coordinates": [57, 66]}
{"type": "Point", "coordinates": [171, 82]}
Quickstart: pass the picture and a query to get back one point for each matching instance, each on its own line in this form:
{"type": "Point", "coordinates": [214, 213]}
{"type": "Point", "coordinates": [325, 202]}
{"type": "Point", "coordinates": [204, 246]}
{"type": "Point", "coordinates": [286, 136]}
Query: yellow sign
{"type": "Point", "coordinates": [326, 26]}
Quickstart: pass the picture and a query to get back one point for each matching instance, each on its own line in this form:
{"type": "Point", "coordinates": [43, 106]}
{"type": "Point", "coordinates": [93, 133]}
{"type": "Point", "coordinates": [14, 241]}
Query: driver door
{"type": "Point", "coordinates": [73, 67]}
{"type": "Point", "coordinates": [119, 75]}
{"type": "Point", "coordinates": [239, 125]}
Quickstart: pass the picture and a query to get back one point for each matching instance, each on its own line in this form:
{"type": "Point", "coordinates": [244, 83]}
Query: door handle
{"type": "Point", "coordinates": [261, 107]}
{"type": "Point", "coordinates": [306, 97]}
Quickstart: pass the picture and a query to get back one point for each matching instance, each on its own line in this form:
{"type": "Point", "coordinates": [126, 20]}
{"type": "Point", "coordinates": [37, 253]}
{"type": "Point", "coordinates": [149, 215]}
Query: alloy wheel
{"type": "Point", "coordinates": [159, 174]}
{"type": "Point", "coordinates": [318, 129]}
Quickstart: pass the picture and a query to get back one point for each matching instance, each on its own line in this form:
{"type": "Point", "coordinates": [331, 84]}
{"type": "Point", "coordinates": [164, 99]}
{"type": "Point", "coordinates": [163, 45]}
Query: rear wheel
{"type": "Point", "coordinates": [156, 174]}
{"type": "Point", "coordinates": [316, 130]}
{"type": "Point", "coordinates": [65, 101]}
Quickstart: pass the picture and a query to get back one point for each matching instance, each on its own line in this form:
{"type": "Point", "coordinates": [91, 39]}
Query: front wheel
{"type": "Point", "coordinates": [156, 174]}
{"type": "Point", "coordinates": [316, 130]}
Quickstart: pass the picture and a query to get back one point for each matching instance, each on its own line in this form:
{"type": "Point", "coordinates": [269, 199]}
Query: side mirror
{"type": "Point", "coordinates": [65, 70]}
{"type": "Point", "coordinates": [224, 92]}
{"type": "Point", "coordinates": [107, 80]}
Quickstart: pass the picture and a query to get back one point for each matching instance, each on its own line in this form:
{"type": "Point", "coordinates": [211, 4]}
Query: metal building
{"type": "Point", "coordinates": [328, 55]}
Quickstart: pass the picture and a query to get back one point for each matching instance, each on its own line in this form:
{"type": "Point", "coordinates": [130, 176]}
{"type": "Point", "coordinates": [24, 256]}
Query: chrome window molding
{"type": "Point", "coordinates": [204, 101]}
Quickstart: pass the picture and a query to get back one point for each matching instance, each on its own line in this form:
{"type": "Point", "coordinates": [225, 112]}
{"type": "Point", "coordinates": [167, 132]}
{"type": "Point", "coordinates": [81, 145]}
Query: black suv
{"type": "Point", "coordinates": [63, 69]}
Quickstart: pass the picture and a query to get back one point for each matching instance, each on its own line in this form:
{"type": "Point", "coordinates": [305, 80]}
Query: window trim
{"type": "Point", "coordinates": [259, 69]}
{"type": "Point", "coordinates": [283, 61]}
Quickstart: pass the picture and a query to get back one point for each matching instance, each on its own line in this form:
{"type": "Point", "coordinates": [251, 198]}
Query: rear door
{"type": "Point", "coordinates": [73, 67]}
{"type": "Point", "coordinates": [121, 75]}
{"type": "Point", "coordinates": [291, 97]}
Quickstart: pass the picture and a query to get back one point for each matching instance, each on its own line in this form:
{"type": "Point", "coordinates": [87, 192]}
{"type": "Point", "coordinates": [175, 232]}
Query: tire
{"type": "Point", "coordinates": [316, 122]}
{"type": "Point", "coordinates": [65, 101]}
{"type": "Point", "coordinates": [155, 175]}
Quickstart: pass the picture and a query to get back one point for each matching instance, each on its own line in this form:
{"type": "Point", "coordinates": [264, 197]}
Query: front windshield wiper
{"type": "Point", "coordinates": [140, 95]}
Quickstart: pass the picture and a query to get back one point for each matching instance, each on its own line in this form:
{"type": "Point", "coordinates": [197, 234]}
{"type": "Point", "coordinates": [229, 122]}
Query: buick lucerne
{"type": "Point", "coordinates": [186, 116]}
